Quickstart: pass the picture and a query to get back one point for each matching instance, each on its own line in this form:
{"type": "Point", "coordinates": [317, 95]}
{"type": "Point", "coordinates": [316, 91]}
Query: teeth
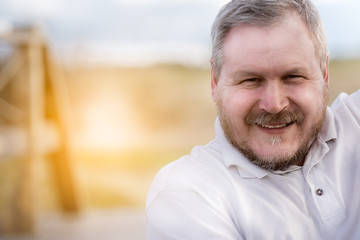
{"type": "Point", "coordinates": [272, 127]}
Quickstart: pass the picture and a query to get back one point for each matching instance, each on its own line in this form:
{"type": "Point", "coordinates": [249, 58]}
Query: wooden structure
{"type": "Point", "coordinates": [34, 114]}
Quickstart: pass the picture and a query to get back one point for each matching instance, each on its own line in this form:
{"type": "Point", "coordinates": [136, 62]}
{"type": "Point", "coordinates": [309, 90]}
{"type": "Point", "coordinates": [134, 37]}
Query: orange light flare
{"type": "Point", "coordinates": [107, 121]}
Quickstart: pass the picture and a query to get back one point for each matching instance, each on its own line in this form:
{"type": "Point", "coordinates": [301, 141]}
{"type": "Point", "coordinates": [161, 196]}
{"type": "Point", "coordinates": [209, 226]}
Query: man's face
{"type": "Point", "coordinates": [271, 93]}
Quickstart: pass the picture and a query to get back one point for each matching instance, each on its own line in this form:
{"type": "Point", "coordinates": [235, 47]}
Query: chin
{"type": "Point", "coordinates": [275, 157]}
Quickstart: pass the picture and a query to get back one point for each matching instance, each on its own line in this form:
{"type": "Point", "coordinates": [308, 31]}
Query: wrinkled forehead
{"type": "Point", "coordinates": [277, 25]}
{"type": "Point", "coordinates": [288, 41]}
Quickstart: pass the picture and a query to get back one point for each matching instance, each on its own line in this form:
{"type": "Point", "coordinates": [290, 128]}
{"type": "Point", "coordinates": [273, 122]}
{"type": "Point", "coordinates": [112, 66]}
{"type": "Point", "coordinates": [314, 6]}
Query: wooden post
{"type": "Point", "coordinates": [41, 96]}
{"type": "Point", "coordinates": [58, 109]}
{"type": "Point", "coordinates": [30, 86]}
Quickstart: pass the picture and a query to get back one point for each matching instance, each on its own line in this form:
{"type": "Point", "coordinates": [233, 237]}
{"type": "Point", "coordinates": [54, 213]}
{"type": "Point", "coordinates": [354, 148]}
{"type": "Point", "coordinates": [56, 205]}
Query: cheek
{"type": "Point", "coordinates": [239, 101]}
{"type": "Point", "coordinates": [310, 99]}
{"type": "Point", "coordinates": [236, 108]}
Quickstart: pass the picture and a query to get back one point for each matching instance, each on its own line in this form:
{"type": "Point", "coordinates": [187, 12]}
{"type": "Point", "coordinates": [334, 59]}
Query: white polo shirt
{"type": "Point", "coordinates": [216, 193]}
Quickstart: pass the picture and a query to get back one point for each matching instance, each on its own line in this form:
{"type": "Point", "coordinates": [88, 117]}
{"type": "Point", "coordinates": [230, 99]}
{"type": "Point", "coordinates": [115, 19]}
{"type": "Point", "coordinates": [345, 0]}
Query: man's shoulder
{"type": "Point", "coordinates": [202, 160]}
{"type": "Point", "coordinates": [190, 172]}
{"type": "Point", "coordinates": [344, 100]}
{"type": "Point", "coordinates": [347, 107]}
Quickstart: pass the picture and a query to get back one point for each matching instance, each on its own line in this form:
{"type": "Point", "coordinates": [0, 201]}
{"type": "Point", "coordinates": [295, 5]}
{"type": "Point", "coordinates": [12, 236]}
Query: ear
{"type": "Point", "coordinates": [214, 81]}
{"type": "Point", "coordinates": [326, 72]}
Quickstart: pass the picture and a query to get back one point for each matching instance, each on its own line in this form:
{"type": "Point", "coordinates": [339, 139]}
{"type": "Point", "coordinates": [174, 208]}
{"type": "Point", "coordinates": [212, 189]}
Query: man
{"type": "Point", "coordinates": [283, 165]}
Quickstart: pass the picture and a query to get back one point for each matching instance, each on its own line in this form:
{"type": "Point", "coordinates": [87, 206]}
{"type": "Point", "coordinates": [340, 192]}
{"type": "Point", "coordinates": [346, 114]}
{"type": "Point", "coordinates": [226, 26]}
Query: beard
{"type": "Point", "coordinates": [281, 161]}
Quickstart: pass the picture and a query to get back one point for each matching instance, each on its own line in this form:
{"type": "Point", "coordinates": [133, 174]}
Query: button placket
{"type": "Point", "coordinates": [326, 201]}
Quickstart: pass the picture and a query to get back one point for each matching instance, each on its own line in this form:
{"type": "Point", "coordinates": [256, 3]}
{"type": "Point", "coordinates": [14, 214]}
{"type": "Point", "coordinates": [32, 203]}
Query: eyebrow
{"type": "Point", "coordinates": [250, 73]}
{"type": "Point", "coordinates": [300, 70]}
{"type": "Point", "coordinates": [242, 74]}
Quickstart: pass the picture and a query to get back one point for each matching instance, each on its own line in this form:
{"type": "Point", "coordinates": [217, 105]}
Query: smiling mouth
{"type": "Point", "coordinates": [272, 122]}
{"type": "Point", "coordinates": [275, 126]}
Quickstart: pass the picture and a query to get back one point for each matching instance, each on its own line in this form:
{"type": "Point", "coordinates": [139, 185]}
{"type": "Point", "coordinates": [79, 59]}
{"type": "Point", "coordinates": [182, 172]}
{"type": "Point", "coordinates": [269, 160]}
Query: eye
{"type": "Point", "coordinates": [250, 80]}
{"type": "Point", "coordinates": [294, 78]}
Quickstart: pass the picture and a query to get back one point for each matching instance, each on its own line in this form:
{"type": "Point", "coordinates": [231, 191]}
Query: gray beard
{"type": "Point", "coordinates": [281, 162]}
{"type": "Point", "coordinates": [284, 161]}
{"type": "Point", "coordinates": [278, 163]}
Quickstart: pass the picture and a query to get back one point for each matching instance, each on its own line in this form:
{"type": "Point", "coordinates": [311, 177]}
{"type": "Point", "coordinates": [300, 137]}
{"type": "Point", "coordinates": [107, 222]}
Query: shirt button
{"type": "Point", "coordinates": [319, 192]}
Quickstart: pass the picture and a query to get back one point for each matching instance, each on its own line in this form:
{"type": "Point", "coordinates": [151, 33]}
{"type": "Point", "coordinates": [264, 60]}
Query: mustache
{"type": "Point", "coordinates": [265, 118]}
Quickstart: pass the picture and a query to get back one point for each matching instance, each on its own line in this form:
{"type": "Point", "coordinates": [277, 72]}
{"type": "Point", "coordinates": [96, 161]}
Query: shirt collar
{"type": "Point", "coordinates": [232, 156]}
{"type": "Point", "coordinates": [320, 147]}
{"type": "Point", "coordinates": [328, 130]}
{"type": "Point", "coordinates": [246, 169]}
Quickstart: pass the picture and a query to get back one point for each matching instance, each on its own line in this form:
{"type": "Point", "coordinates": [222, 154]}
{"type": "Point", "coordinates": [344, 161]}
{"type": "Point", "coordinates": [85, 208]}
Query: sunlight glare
{"type": "Point", "coordinates": [108, 122]}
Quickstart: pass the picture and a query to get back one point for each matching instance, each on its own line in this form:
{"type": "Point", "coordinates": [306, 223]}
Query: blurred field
{"type": "Point", "coordinates": [152, 116]}
{"type": "Point", "coordinates": [168, 111]}
{"type": "Point", "coordinates": [129, 122]}
{"type": "Point", "coordinates": [344, 77]}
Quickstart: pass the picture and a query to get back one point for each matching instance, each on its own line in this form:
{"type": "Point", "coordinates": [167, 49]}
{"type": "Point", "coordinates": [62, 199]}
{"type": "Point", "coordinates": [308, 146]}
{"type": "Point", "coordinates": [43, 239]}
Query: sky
{"type": "Point", "coordinates": [137, 32]}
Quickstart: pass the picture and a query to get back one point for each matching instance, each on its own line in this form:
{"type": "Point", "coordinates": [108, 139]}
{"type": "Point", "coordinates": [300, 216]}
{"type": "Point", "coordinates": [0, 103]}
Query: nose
{"type": "Point", "coordinates": [273, 98]}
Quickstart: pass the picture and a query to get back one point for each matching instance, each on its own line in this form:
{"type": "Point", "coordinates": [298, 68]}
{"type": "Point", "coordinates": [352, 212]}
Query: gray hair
{"type": "Point", "coordinates": [264, 13]}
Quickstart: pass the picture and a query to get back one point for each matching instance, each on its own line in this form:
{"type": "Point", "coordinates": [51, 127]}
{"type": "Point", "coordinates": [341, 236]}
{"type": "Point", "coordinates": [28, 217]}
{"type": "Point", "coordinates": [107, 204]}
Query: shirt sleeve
{"type": "Point", "coordinates": [355, 98]}
{"type": "Point", "coordinates": [186, 215]}
{"type": "Point", "coordinates": [350, 105]}
{"type": "Point", "coordinates": [353, 105]}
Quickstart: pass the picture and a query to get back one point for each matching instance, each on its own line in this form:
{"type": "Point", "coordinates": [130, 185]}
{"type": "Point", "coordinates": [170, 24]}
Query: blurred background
{"type": "Point", "coordinates": [97, 96]}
